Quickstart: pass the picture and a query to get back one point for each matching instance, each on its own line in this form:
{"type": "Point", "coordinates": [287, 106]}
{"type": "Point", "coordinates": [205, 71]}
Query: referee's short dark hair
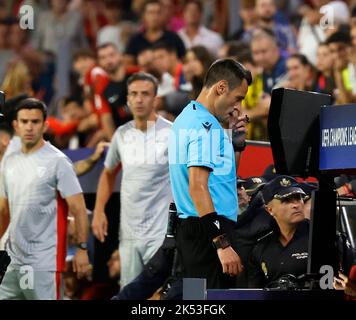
{"type": "Point", "coordinates": [32, 103]}
{"type": "Point", "coordinates": [144, 76]}
{"type": "Point", "coordinates": [227, 69]}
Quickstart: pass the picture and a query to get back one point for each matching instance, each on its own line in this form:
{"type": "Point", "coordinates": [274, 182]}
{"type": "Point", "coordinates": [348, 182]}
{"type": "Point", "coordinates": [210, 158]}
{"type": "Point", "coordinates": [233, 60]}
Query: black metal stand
{"type": "Point", "coordinates": [322, 236]}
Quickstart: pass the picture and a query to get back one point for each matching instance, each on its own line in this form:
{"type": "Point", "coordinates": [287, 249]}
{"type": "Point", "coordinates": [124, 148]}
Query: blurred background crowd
{"type": "Point", "coordinates": [79, 54]}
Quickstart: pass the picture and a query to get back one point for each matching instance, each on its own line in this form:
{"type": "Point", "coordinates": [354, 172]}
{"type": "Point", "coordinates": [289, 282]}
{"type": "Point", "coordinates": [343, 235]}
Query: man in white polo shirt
{"type": "Point", "coordinates": [37, 185]}
{"type": "Point", "coordinates": [141, 147]}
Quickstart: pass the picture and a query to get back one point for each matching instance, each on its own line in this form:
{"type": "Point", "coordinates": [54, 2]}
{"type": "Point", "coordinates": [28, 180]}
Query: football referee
{"type": "Point", "coordinates": [203, 174]}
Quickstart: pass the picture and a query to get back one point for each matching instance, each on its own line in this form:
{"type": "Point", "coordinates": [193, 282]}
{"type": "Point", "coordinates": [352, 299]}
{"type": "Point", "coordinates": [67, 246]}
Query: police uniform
{"type": "Point", "coordinates": [270, 259]}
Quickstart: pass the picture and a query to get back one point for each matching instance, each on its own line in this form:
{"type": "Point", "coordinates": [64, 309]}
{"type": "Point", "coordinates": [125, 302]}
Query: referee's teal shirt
{"type": "Point", "coordinates": [198, 139]}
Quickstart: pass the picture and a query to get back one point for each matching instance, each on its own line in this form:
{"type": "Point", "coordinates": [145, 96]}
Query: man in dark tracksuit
{"type": "Point", "coordinates": [163, 270]}
{"type": "Point", "coordinates": [158, 272]}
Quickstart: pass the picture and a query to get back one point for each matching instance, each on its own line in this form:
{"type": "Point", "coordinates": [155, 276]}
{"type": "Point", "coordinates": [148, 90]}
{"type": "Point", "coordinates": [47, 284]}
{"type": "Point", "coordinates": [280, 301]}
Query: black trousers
{"type": "Point", "coordinates": [198, 256]}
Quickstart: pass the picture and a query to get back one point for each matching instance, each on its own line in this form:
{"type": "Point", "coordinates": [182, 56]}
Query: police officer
{"type": "Point", "coordinates": [283, 251]}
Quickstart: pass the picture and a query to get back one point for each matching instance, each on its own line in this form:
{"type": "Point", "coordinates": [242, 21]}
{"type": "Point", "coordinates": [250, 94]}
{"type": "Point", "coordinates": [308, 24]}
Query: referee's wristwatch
{"type": "Point", "coordinates": [221, 242]}
{"type": "Point", "coordinates": [82, 245]}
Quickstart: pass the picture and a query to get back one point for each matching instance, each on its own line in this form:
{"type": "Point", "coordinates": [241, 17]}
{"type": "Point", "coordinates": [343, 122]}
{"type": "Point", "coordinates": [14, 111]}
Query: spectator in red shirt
{"type": "Point", "coordinates": [94, 80]}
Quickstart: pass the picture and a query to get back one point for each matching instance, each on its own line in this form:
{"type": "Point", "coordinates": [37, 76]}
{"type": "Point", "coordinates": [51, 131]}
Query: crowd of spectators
{"type": "Point", "coordinates": [79, 53]}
